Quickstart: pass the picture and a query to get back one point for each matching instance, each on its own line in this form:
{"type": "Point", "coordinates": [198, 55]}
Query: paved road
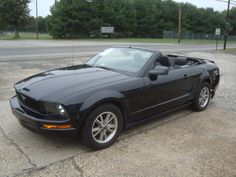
{"type": "Point", "coordinates": [32, 50]}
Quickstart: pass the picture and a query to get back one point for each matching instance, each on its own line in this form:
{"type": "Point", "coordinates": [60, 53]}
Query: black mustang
{"type": "Point", "coordinates": [115, 89]}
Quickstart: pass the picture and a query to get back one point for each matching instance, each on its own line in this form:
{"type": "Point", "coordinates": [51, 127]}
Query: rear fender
{"type": "Point", "coordinates": [205, 77]}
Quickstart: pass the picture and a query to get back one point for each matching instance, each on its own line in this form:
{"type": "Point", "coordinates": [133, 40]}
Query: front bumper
{"type": "Point", "coordinates": [34, 122]}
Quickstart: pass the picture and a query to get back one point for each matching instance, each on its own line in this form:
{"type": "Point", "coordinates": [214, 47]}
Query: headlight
{"type": "Point", "coordinates": [61, 109]}
{"type": "Point", "coordinates": [52, 108]}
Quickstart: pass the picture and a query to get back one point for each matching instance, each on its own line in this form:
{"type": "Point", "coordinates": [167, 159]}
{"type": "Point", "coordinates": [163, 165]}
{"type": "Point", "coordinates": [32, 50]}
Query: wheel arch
{"type": "Point", "coordinates": [205, 77]}
{"type": "Point", "coordinates": [208, 80]}
{"type": "Point", "coordinates": [104, 97]}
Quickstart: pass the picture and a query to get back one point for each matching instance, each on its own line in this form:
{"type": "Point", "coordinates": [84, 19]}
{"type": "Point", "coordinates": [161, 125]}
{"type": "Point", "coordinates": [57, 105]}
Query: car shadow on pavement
{"type": "Point", "coordinates": [156, 121]}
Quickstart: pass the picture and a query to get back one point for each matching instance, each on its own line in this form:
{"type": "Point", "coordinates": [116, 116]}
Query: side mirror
{"type": "Point", "coordinates": [158, 70]}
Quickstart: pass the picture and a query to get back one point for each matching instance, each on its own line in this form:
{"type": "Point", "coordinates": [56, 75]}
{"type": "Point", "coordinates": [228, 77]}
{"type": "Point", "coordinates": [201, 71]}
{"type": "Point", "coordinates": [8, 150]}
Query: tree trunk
{"type": "Point", "coordinates": [16, 32]}
{"type": "Point", "coordinates": [180, 24]}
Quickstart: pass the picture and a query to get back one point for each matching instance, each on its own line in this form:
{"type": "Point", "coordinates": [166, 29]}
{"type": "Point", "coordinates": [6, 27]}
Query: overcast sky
{"type": "Point", "coordinates": [44, 5]}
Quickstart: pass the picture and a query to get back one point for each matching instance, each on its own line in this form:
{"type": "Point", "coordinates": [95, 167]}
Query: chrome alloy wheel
{"type": "Point", "coordinates": [104, 127]}
{"type": "Point", "coordinates": [204, 97]}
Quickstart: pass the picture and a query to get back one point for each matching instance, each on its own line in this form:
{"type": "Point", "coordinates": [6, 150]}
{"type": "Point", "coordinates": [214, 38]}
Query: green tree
{"type": "Point", "coordinates": [148, 16]}
{"type": "Point", "coordinates": [232, 17]}
{"type": "Point", "coordinates": [13, 12]}
{"type": "Point", "coordinates": [120, 14]}
{"type": "Point", "coordinates": [2, 24]}
{"type": "Point", "coordinates": [138, 18]}
{"type": "Point", "coordinates": [29, 24]}
{"type": "Point", "coordinates": [189, 16]}
{"type": "Point", "coordinates": [72, 18]}
{"type": "Point", "coordinates": [42, 25]}
{"type": "Point", "coordinates": [169, 15]}
{"type": "Point", "coordinates": [201, 20]}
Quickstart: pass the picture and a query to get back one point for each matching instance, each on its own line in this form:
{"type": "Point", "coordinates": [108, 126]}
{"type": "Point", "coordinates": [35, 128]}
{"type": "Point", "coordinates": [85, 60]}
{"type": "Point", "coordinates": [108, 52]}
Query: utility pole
{"type": "Point", "coordinates": [37, 20]}
{"type": "Point", "coordinates": [180, 24]}
{"type": "Point", "coordinates": [227, 25]}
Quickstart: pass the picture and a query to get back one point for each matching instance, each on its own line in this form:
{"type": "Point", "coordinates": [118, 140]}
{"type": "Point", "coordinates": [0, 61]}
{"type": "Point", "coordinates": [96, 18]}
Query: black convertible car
{"type": "Point", "coordinates": [115, 89]}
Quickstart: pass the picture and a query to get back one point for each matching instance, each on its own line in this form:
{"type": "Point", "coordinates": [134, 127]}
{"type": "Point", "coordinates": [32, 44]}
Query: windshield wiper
{"type": "Point", "coordinates": [103, 67]}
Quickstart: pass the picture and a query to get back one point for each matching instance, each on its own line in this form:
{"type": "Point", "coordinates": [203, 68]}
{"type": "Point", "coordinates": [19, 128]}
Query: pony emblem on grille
{"type": "Point", "coordinates": [23, 97]}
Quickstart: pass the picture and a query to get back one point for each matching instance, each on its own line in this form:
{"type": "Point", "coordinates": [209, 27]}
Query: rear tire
{"type": "Point", "coordinates": [102, 126]}
{"type": "Point", "coordinates": [202, 97]}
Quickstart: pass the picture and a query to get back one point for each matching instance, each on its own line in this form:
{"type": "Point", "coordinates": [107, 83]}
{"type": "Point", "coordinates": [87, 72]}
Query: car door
{"type": "Point", "coordinates": [166, 92]}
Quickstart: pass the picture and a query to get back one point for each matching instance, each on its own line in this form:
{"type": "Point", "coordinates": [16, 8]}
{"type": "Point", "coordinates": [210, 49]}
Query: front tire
{"type": "Point", "coordinates": [203, 97]}
{"type": "Point", "coordinates": [103, 126]}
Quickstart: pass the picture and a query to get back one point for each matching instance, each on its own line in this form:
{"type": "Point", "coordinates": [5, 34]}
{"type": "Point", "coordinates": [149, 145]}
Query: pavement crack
{"type": "Point", "coordinates": [29, 171]}
{"type": "Point", "coordinates": [77, 168]}
{"type": "Point", "coordinates": [18, 148]}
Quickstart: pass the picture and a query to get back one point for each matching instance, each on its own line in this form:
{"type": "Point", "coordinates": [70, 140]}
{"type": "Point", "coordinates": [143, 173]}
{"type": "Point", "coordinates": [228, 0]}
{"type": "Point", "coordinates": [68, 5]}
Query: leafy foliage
{"type": "Point", "coordinates": [72, 18]}
{"type": "Point", "coordinates": [131, 18]}
{"type": "Point", "coordinates": [29, 24]}
{"type": "Point", "coordinates": [13, 12]}
{"type": "Point", "coordinates": [232, 17]}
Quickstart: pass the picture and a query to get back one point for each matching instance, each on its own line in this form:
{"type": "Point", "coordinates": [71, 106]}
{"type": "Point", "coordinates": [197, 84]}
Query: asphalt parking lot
{"type": "Point", "coordinates": [184, 143]}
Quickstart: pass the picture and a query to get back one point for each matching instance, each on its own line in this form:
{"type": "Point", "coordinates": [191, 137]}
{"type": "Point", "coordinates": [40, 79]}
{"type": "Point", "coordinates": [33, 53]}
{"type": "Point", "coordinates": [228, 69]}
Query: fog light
{"type": "Point", "coordinates": [49, 126]}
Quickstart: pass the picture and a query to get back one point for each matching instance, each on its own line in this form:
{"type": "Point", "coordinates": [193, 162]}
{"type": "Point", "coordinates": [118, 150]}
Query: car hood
{"type": "Point", "coordinates": [56, 84]}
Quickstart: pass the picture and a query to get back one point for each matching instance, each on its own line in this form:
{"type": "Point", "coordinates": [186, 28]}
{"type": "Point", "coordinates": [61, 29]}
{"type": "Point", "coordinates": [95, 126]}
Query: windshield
{"type": "Point", "coordinates": [128, 60]}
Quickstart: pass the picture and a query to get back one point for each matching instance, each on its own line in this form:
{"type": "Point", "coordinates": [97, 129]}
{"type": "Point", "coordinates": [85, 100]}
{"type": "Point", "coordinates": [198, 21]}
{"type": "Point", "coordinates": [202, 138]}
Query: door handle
{"type": "Point", "coordinates": [185, 76]}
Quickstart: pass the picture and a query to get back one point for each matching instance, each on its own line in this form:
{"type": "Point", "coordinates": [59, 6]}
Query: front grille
{"type": "Point", "coordinates": [31, 103]}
